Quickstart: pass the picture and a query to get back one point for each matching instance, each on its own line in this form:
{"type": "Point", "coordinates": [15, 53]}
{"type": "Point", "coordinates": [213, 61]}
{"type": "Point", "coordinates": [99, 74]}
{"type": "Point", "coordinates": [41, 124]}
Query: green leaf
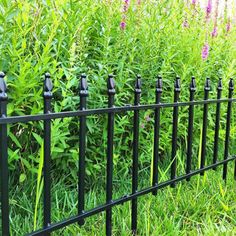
{"type": "Point", "coordinates": [38, 138]}
{"type": "Point", "coordinates": [14, 139]}
{"type": "Point", "coordinates": [22, 178]}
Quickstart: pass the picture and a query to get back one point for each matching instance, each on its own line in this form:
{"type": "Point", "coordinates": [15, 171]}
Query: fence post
{"type": "Point", "coordinates": [137, 93]}
{"type": "Point", "coordinates": [192, 90]}
{"type": "Point", "coordinates": [227, 134]}
{"type": "Point", "coordinates": [217, 123]}
{"type": "Point", "coordinates": [110, 136]}
{"type": "Point", "coordinates": [47, 95]}
{"type": "Point", "coordinates": [83, 93]}
{"type": "Point", "coordinates": [4, 159]}
{"type": "Point", "coordinates": [156, 134]}
{"type": "Point", "coordinates": [175, 130]}
{"type": "Point", "coordinates": [204, 126]}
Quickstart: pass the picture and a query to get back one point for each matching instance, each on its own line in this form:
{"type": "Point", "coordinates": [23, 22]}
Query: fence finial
{"type": "Point", "coordinates": [3, 87]}
{"type": "Point", "coordinates": [220, 86]}
{"type": "Point", "coordinates": [159, 84]}
{"type": "Point", "coordinates": [138, 84]}
{"type": "Point", "coordinates": [207, 86]}
{"type": "Point", "coordinates": [231, 84]}
{"type": "Point", "coordinates": [48, 86]}
{"type": "Point", "coordinates": [193, 84]}
{"type": "Point", "coordinates": [83, 87]}
{"type": "Point", "coordinates": [111, 85]}
{"type": "Point", "coordinates": [177, 84]}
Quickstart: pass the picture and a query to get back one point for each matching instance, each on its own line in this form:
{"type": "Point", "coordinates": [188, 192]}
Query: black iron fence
{"type": "Point", "coordinates": [111, 111]}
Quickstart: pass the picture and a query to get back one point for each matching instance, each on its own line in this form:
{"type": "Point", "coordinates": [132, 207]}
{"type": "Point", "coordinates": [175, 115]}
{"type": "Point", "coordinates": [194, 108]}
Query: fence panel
{"type": "Point", "coordinates": [111, 111]}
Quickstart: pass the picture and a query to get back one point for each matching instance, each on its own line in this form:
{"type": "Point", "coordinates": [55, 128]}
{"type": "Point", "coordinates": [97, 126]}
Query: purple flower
{"type": "Point", "coordinates": [205, 51]}
{"type": "Point", "coordinates": [185, 24]}
{"type": "Point", "coordinates": [228, 26]}
{"type": "Point", "coordinates": [125, 8]}
{"type": "Point", "coordinates": [147, 118]}
{"type": "Point", "coordinates": [208, 9]}
{"type": "Point", "coordinates": [214, 33]}
{"type": "Point", "coordinates": [122, 25]}
{"type": "Point", "coordinates": [126, 5]}
{"type": "Point", "coordinates": [138, 2]}
{"type": "Point", "coordinates": [142, 126]}
{"type": "Point", "coordinates": [194, 2]}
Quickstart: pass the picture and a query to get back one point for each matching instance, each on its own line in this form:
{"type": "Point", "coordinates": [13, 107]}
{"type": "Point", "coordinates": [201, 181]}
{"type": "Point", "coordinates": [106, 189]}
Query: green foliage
{"type": "Point", "coordinates": [200, 207]}
{"type": "Point", "coordinates": [67, 38]}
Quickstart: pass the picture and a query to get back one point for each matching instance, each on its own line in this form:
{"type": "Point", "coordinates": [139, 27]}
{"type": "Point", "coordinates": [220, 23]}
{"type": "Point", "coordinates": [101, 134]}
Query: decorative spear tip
{"type": "Point", "coordinates": [207, 84]}
{"type": "Point", "coordinates": [2, 74]}
{"type": "Point", "coordinates": [159, 84]}
{"type": "Point", "coordinates": [111, 76]}
{"type": "Point", "coordinates": [111, 84]}
{"type": "Point", "coordinates": [220, 85]}
{"type": "Point", "coordinates": [47, 75]}
{"type": "Point", "coordinates": [177, 84]}
{"type": "Point", "coordinates": [138, 83]}
{"type": "Point", "coordinates": [193, 84]}
{"type": "Point", "coordinates": [48, 86]}
{"type": "Point", "coordinates": [231, 84]}
{"type": "Point", "coordinates": [83, 76]}
{"type": "Point", "coordinates": [83, 82]}
{"type": "Point", "coordinates": [3, 87]}
{"type": "Point", "coordinates": [83, 85]}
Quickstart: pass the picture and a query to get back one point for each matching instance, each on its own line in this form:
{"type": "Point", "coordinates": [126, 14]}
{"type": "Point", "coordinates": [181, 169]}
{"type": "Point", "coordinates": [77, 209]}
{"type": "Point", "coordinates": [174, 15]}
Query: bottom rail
{"type": "Point", "coordinates": [124, 199]}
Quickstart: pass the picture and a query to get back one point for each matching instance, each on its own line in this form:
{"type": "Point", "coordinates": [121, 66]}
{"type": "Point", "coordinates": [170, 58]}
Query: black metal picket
{"type": "Point", "coordinates": [82, 113]}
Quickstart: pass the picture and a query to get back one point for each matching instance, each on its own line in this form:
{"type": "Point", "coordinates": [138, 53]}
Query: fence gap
{"type": "Point", "coordinates": [217, 123]}
{"type": "Point", "coordinates": [156, 134]}
{"type": "Point", "coordinates": [175, 131]}
{"type": "Point", "coordinates": [227, 134]}
{"type": "Point", "coordinates": [204, 126]}
{"type": "Point", "coordinates": [137, 94]}
{"type": "Point", "coordinates": [192, 90]}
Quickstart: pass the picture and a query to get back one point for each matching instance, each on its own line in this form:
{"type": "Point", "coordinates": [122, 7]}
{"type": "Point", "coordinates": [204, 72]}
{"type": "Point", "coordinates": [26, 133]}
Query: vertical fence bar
{"type": "Point", "coordinates": [192, 90]}
{"type": "Point", "coordinates": [217, 123]}
{"type": "Point", "coordinates": [137, 94]}
{"type": "Point", "coordinates": [110, 137]}
{"type": "Point", "coordinates": [204, 126]}
{"type": "Point", "coordinates": [4, 159]}
{"type": "Point", "coordinates": [156, 134]}
{"type": "Point", "coordinates": [47, 95]}
{"type": "Point", "coordinates": [83, 93]}
{"type": "Point", "coordinates": [175, 130]}
{"type": "Point", "coordinates": [227, 134]}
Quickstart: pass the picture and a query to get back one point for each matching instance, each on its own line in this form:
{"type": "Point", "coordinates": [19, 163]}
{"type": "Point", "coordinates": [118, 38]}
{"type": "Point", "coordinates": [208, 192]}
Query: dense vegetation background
{"type": "Point", "coordinates": [126, 38]}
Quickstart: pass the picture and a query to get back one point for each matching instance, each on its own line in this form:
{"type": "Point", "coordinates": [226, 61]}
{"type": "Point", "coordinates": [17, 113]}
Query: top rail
{"type": "Point", "coordinates": [126, 108]}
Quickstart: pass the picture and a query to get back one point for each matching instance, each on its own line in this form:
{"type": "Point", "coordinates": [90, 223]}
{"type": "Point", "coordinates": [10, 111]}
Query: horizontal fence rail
{"type": "Point", "coordinates": [111, 111]}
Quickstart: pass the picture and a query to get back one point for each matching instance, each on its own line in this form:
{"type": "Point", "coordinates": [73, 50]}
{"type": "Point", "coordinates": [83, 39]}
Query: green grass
{"type": "Point", "coordinates": [204, 206]}
{"type": "Point", "coordinates": [68, 38]}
